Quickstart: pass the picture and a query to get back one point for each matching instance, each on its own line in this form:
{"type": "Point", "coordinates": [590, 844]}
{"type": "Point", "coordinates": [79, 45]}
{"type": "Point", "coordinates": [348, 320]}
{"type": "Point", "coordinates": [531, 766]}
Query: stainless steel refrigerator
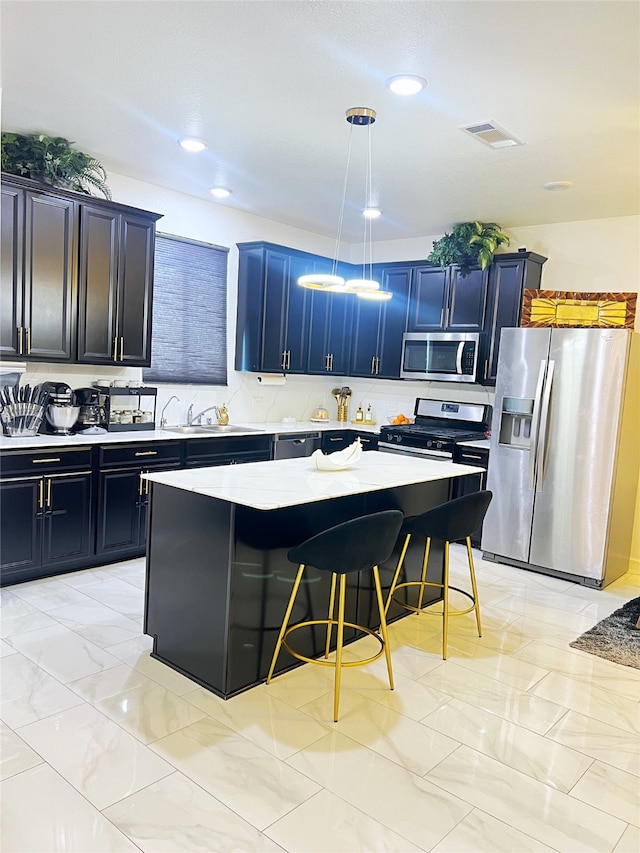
{"type": "Point", "coordinates": [565, 453]}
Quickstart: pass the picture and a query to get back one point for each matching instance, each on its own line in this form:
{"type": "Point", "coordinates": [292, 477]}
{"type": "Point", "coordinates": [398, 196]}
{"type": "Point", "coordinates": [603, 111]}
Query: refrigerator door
{"type": "Point", "coordinates": [576, 470]}
{"type": "Point", "coordinates": [521, 370]}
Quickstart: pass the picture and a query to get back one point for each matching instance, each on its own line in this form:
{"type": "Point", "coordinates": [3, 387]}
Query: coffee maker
{"type": "Point", "coordinates": [91, 414]}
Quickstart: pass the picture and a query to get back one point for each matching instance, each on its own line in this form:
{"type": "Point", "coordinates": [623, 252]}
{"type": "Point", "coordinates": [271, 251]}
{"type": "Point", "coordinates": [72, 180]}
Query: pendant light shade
{"type": "Point", "coordinates": [366, 286]}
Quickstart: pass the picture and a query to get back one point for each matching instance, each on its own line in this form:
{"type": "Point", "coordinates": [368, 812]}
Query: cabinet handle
{"type": "Point", "coordinates": [122, 348]}
{"type": "Point", "coordinates": [331, 361]}
{"type": "Point", "coordinates": [141, 483]}
{"type": "Point", "coordinates": [48, 493]}
{"type": "Point", "coordinates": [335, 439]}
{"type": "Point", "coordinates": [373, 362]}
{"type": "Point", "coordinates": [471, 456]}
{"type": "Point", "coordinates": [283, 363]}
{"type": "Point", "coordinates": [365, 440]}
{"type": "Point", "coordinates": [40, 461]}
{"type": "Point", "coordinates": [289, 359]}
{"type": "Point", "coordinates": [146, 453]}
{"type": "Point", "coordinates": [115, 349]}
{"type": "Point", "coordinates": [19, 340]}
{"type": "Point", "coordinates": [41, 494]}
{"type": "Point", "coordinates": [146, 486]}
{"type": "Point", "coordinates": [28, 340]}
{"type": "Point", "coordinates": [486, 368]}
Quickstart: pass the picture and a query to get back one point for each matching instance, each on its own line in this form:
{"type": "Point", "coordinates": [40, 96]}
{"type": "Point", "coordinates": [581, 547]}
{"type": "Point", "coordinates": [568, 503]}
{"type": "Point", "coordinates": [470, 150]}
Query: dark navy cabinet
{"type": "Point", "coordinates": [445, 300]}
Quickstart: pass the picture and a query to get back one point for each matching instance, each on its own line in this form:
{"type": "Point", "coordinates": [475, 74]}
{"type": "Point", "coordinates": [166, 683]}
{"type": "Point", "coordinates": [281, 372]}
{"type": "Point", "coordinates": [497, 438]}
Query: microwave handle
{"type": "Point", "coordinates": [459, 358]}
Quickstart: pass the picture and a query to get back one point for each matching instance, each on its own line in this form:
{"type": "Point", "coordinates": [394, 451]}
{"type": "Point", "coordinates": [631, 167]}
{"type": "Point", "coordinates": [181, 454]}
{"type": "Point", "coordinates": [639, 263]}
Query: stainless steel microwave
{"type": "Point", "coordinates": [440, 356]}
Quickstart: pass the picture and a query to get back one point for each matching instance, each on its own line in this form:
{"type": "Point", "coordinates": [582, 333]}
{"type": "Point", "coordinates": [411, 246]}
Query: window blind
{"type": "Point", "coordinates": [189, 342]}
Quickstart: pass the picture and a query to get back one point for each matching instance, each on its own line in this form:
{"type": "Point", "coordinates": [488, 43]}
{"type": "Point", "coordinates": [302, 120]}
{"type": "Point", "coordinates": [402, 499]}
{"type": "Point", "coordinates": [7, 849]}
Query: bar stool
{"type": "Point", "coordinates": [449, 522]}
{"type": "Point", "coordinates": [362, 543]}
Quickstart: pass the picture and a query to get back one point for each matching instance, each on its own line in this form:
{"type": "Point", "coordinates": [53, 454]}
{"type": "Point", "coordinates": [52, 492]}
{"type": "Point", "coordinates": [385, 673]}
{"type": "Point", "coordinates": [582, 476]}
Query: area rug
{"type": "Point", "coordinates": [616, 638]}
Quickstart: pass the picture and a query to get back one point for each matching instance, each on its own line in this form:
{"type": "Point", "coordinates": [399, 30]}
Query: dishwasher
{"type": "Point", "coordinates": [292, 445]}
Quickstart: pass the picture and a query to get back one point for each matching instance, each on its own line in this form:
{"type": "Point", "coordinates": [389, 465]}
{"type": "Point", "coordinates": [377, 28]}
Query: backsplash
{"type": "Point", "coordinates": [250, 401]}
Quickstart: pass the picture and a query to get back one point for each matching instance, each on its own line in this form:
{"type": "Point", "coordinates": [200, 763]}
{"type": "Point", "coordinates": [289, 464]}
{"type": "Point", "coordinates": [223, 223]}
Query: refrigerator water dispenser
{"type": "Point", "coordinates": [515, 422]}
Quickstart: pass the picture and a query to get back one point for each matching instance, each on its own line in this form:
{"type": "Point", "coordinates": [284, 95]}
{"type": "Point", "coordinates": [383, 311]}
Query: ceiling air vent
{"type": "Point", "coordinates": [491, 134]}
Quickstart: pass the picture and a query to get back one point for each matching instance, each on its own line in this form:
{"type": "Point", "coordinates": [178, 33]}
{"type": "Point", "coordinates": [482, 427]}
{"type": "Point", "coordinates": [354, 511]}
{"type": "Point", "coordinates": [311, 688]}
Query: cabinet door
{"type": "Point", "coordinates": [120, 496]}
{"type": "Point", "coordinates": [20, 528]}
{"type": "Point", "coordinates": [466, 300]}
{"type": "Point", "coordinates": [276, 286]}
{"type": "Point", "coordinates": [11, 257]}
{"type": "Point", "coordinates": [143, 503]}
{"type": "Point", "coordinates": [364, 341]}
{"type": "Point", "coordinates": [134, 292]}
{"type": "Point", "coordinates": [97, 341]}
{"type": "Point", "coordinates": [504, 308]}
{"type": "Point", "coordinates": [428, 300]}
{"type": "Point", "coordinates": [328, 330]}
{"type": "Point", "coordinates": [296, 316]}
{"type": "Point", "coordinates": [67, 519]}
{"type": "Point", "coordinates": [393, 320]}
{"type": "Point", "coordinates": [49, 277]}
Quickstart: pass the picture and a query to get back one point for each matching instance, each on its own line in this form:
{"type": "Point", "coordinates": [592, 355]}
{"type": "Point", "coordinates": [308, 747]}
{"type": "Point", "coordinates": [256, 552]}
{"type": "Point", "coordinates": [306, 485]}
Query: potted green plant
{"type": "Point", "coordinates": [468, 244]}
{"type": "Point", "coordinates": [54, 161]}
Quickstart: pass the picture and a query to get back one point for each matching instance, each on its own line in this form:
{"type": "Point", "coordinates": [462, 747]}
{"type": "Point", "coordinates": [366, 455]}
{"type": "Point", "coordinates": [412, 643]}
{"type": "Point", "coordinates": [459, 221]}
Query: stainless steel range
{"type": "Point", "coordinates": [439, 426]}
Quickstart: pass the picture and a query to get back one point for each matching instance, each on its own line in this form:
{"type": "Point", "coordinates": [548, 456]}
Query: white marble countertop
{"type": "Point", "coordinates": [291, 482]}
{"type": "Point", "coordinates": [78, 439]}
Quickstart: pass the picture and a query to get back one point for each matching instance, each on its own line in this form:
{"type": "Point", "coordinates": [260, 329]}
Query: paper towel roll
{"type": "Point", "coordinates": [271, 379]}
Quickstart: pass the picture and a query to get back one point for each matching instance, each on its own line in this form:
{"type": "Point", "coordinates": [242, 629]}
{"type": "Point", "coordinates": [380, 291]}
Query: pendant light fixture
{"type": "Point", "coordinates": [365, 287]}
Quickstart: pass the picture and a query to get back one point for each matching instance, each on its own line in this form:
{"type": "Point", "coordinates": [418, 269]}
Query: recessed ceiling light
{"type": "Point", "coordinates": [372, 212]}
{"type": "Point", "coordinates": [191, 143]}
{"type": "Point", "coordinates": [220, 192]}
{"type": "Point", "coordinates": [557, 186]}
{"type": "Point", "coordinates": [406, 84]}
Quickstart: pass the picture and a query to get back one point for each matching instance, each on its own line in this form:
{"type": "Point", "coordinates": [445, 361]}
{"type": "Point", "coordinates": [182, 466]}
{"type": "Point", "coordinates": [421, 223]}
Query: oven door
{"type": "Point", "coordinates": [442, 356]}
{"type": "Point", "coordinates": [418, 452]}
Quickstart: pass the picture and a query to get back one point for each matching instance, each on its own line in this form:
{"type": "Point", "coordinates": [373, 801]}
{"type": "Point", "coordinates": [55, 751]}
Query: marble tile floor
{"type": "Point", "coordinates": [515, 743]}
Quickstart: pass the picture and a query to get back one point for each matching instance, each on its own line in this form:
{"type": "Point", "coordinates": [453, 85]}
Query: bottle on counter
{"type": "Point", "coordinates": [359, 415]}
{"type": "Point", "coordinates": [369, 418]}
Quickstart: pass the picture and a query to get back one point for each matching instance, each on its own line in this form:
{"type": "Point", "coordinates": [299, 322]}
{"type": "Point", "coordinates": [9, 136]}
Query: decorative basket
{"type": "Point", "coordinates": [21, 420]}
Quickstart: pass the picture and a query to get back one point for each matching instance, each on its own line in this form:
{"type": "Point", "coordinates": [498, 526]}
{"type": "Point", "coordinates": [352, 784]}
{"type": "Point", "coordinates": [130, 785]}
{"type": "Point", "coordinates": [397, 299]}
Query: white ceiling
{"type": "Point", "coordinates": [267, 85]}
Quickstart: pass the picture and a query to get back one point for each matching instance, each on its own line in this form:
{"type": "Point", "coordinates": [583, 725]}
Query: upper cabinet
{"type": "Point", "coordinates": [37, 293]}
{"type": "Point", "coordinates": [77, 277]}
{"type": "Point", "coordinates": [116, 284]}
{"type": "Point", "coordinates": [378, 326]}
{"type": "Point", "coordinates": [273, 312]}
{"type": "Point", "coordinates": [509, 275]}
{"type": "Point", "coordinates": [445, 300]}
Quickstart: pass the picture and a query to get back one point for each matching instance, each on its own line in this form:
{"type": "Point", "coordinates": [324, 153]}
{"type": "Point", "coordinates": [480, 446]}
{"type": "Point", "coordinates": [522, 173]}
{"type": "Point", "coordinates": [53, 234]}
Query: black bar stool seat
{"type": "Point", "coordinates": [354, 546]}
{"type": "Point", "coordinates": [449, 522]}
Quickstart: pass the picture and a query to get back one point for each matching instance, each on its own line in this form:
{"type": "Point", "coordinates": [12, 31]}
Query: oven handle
{"type": "Point", "coordinates": [413, 451]}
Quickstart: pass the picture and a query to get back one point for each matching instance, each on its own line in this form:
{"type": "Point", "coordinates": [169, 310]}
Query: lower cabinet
{"type": "Point", "coordinates": [200, 453]}
{"type": "Point", "coordinates": [478, 456]}
{"type": "Point", "coordinates": [46, 519]}
{"type": "Point", "coordinates": [123, 496]}
{"type": "Point", "coordinates": [339, 439]}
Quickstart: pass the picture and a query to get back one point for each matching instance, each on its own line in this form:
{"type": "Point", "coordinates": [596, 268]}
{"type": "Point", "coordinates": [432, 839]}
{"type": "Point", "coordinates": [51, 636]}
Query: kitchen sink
{"type": "Point", "coordinates": [205, 429]}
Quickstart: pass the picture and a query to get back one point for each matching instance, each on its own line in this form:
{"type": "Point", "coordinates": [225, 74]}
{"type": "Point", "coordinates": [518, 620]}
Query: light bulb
{"type": "Point", "coordinates": [220, 192]}
{"type": "Point", "coordinates": [406, 84]}
{"type": "Point", "coordinates": [191, 143]}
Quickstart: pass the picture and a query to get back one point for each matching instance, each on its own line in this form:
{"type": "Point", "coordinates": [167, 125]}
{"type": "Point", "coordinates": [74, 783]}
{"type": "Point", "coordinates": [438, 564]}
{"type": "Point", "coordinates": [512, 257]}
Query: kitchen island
{"type": "Point", "coordinates": [218, 578]}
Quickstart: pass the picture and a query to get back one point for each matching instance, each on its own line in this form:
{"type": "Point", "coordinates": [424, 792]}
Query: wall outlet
{"type": "Point", "coordinates": [391, 408]}
{"type": "Point", "coordinates": [256, 402]}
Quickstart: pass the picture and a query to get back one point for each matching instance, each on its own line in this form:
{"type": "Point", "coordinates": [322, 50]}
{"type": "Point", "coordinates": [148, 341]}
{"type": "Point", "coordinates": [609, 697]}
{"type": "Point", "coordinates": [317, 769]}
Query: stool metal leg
{"type": "Point", "coordinates": [383, 624]}
{"type": "Point", "coordinates": [397, 572]}
{"type": "Point", "coordinates": [285, 621]}
{"type": "Point", "coordinates": [423, 575]}
{"type": "Point", "coordinates": [445, 601]}
{"type": "Point", "coordinates": [472, 572]}
{"type": "Point", "coordinates": [338, 674]}
{"type": "Point", "coordinates": [332, 598]}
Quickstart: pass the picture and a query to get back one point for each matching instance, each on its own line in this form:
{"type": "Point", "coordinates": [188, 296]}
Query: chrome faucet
{"type": "Point", "coordinates": [163, 420]}
{"type": "Point", "coordinates": [191, 418]}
